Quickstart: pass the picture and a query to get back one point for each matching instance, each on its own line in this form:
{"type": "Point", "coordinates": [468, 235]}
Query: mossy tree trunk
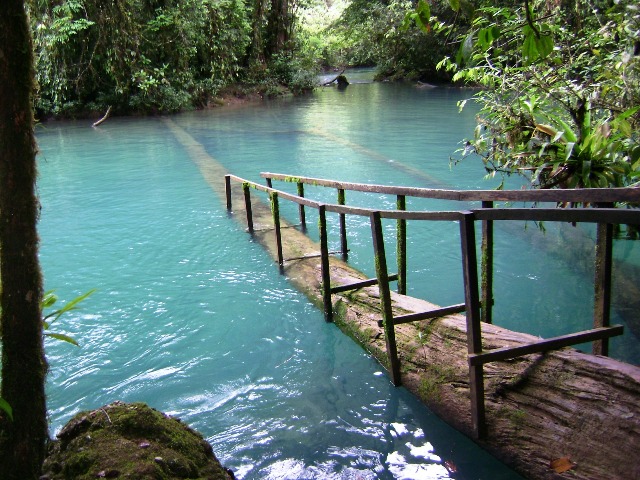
{"type": "Point", "coordinates": [22, 440]}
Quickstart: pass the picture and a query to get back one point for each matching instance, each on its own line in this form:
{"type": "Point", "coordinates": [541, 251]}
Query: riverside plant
{"type": "Point", "coordinates": [48, 301]}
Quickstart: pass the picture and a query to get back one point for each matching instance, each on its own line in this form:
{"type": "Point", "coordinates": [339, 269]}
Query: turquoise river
{"type": "Point", "coordinates": [192, 317]}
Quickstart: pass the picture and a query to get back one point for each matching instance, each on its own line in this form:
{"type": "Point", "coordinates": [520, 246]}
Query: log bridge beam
{"type": "Point", "coordinates": [477, 299]}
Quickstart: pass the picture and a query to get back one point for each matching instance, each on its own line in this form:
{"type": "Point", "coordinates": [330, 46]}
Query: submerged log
{"type": "Point", "coordinates": [545, 412]}
{"type": "Point", "coordinates": [340, 79]}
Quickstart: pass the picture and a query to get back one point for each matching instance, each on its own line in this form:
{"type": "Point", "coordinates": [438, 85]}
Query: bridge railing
{"type": "Point", "coordinates": [478, 298]}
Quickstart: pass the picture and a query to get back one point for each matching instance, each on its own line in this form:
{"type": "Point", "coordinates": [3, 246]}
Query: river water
{"type": "Point", "coordinates": [193, 318]}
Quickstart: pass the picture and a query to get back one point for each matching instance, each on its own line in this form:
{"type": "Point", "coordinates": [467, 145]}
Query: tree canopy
{"type": "Point", "coordinates": [154, 55]}
{"type": "Point", "coordinates": [560, 101]}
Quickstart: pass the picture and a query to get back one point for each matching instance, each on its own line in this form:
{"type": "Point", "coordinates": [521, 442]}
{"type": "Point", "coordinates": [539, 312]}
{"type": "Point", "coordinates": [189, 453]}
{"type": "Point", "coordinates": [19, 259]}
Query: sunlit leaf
{"type": "Point", "coordinates": [48, 299]}
{"type": "Point", "coordinates": [63, 337]}
{"type": "Point", "coordinates": [548, 129]}
{"type": "Point", "coordinates": [71, 305]}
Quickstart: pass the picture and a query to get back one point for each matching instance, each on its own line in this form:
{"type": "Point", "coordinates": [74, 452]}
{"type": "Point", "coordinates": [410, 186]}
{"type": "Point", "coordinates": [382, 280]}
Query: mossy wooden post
{"type": "Point", "coordinates": [247, 204]}
{"type": "Point", "coordinates": [343, 226]}
{"type": "Point", "coordinates": [401, 246]}
{"type": "Point", "coordinates": [385, 297]}
{"type": "Point", "coordinates": [324, 264]}
{"type": "Point", "coordinates": [474, 333]}
{"type": "Point", "coordinates": [227, 190]}
{"type": "Point", "coordinates": [303, 220]}
{"type": "Point", "coordinates": [275, 211]}
{"type": "Point", "coordinates": [602, 294]}
{"type": "Point", "coordinates": [486, 265]}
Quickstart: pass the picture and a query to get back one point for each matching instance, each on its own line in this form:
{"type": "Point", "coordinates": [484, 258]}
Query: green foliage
{"type": "Point", "coordinates": [135, 55]}
{"type": "Point", "coordinates": [403, 38]}
{"type": "Point", "coordinates": [147, 56]}
{"type": "Point", "coordinates": [561, 95]}
{"type": "Point", "coordinates": [6, 408]}
{"type": "Point", "coordinates": [48, 300]}
{"type": "Point", "coordinates": [421, 16]}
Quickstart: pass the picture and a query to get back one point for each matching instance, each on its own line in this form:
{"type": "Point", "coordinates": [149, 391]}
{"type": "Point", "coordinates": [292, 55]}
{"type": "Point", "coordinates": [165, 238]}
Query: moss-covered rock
{"type": "Point", "coordinates": [130, 441]}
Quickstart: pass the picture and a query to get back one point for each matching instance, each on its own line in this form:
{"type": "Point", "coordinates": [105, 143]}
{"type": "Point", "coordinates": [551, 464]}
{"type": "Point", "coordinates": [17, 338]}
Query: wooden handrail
{"type": "Point", "coordinates": [466, 217]}
{"type": "Point", "coordinates": [581, 195]}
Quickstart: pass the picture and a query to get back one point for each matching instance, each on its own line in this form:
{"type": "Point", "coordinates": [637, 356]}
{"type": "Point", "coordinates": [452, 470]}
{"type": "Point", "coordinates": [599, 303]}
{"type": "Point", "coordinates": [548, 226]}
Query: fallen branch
{"type": "Point", "coordinates": [333, 79]}
{"type": "Point", "coordinates": [106, 115]}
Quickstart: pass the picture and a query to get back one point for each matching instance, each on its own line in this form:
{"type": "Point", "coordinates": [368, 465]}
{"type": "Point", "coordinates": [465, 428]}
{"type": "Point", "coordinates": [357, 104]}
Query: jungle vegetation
{"type": "Point", "coordinates": [560, 92]}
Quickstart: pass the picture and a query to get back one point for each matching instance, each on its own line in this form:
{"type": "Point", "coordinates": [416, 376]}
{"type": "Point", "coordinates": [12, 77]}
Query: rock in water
{"type": "Point", "coordinates": [132, 441]}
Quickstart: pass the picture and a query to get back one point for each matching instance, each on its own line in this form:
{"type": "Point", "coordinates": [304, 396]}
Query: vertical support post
{"type": "Point", "coordinates": [324, 264]}
{"type": "Point", "coordinates": [602, 294]}
{"type": "Point", "coordinates": [303, 221]}
{"type": "Point", "coordinates": [474, 333]}
{"type": "Point", "coordinates": [401, 246]}
{"type": "Point", "coordinates": [385, 297]}
{"type": "Point", "coordinates": [343, 226]}
{"type": "Point", "coordinates": [275, 211]}
{"type": "Point", "coordinates": [486, 265]}
{"type": "Point", "coordinates": [247, 204]}
{"type": "Point", "coordinates": [227, 190]}
{"type": "Point", "coordinates": [269, 182]}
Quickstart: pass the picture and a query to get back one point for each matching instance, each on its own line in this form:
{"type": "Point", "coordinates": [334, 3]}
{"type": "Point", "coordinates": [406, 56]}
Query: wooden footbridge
{"type": "Point", "coordinates": [533, 408]}
{"type": "Point", "coordinates": [478, 294]}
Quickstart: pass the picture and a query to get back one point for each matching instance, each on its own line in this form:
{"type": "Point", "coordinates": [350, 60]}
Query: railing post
{"type": "Point", "coordinates": [343, 226]}
{"type": "Point", "coordinates": [401, 246]}
{"type": "Point", "coordinates": [269, 182]}
{"type": "Point", "coordinates": [227, 190]}
{"type": "Point", "coordinates": [247, 203]}
{"type": "Point", "coordinates": [275, 211]}
{"type": "Point", "coordinates": [324, 264]}
{"type": "Point", "coordinates": [385, 297]}
{"type": "Point", "coordinates": [303, 221]}
{"type": "Point", "coordinates": [486, 265]}
{"type": "Point", "coordinates": [474, 332]}
{"type": "Point", "coordinates": [602, 286]}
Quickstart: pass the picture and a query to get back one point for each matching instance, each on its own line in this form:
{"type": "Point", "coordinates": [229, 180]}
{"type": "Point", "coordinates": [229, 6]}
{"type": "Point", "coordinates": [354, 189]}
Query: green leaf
{"type": "Point", "coordinates": [454, 4]}
{"type": "Point", "coordinates": [421, 17]}
{"type": "Point", "coordinates": [63, 337]}
{"type": "Point", "coordinates": [465, 50]}
{"type": "Point", "coordinates": [70, 305]}
{"type": "Point", "coordinates": [5, 407]}
{"type": "Point", "coordinates": [486, 36]}
{"type": "Point", "coordinates": [529, 48]}
{"type": "Point", "coordinates": [537, 44]}
{"type": "Point", "coordinates": [48, 299]}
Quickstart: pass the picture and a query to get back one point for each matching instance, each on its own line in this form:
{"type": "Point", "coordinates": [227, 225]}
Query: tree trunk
{"type": "Point", "coordinates": [257, 45]}
{"type": "Point", "coordinates": [278, 27]}
{"type": "Point", "coordinates": [22, 440]}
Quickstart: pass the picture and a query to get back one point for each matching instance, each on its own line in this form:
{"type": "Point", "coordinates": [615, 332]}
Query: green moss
{"type": "Point", "coordinates": [362, 337]}
{"type": "Point", "coordinates": [434, 377]}
{"type": "Point", "coordinates": [429, 390]}
{"type": "Point", "coordinates": [130, 441]}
